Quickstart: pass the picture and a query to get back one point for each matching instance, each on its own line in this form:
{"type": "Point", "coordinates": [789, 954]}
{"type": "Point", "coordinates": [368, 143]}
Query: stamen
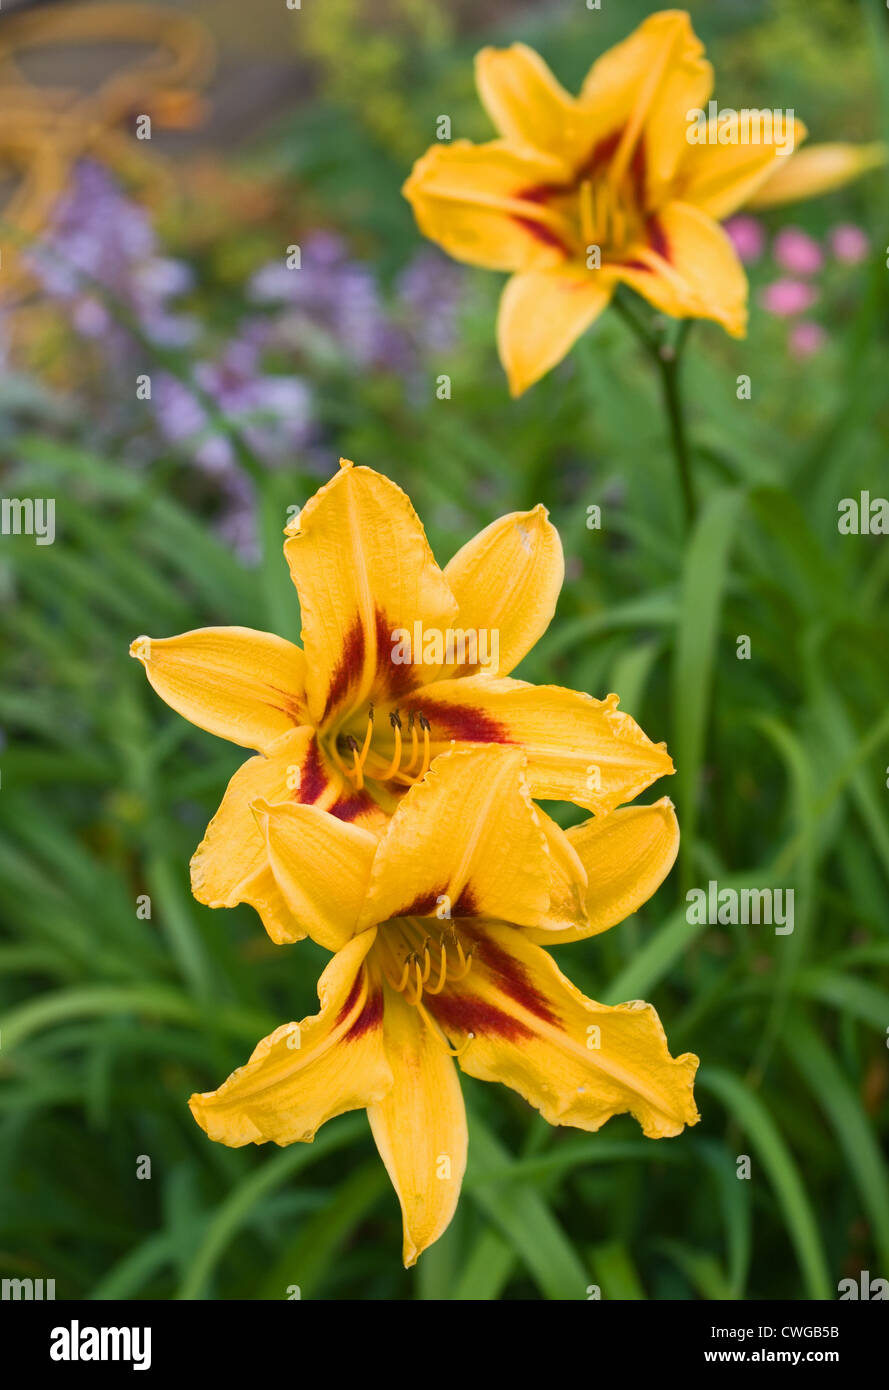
{"type": "Point", "coordinates": [436, 1029]}
{"type": "Point", "coordinates": [619, 227]}
{"type": "Point", "coordinates": [465, 963]}
{"type": "Point", "coordinates": [368, 735]}
{"type": "Point", "coordinates": [425, 726]}
{"type": "Point", "coordinates": [442, 972]}
{"type": "Point", "coordinates": [587, 213]}
{"type": "Point", "coordinates": [412, 729]}
{"type": "Point", "coordinates": [357, 764]}
{"type": "Point", "coordinates": [403, 981]}
{"type": "Point", "coordinates": [418, 990]}
{"type": "Point", "coordinates": [395, 721]}
{"type": "Point", "coordinates": [338, 760]}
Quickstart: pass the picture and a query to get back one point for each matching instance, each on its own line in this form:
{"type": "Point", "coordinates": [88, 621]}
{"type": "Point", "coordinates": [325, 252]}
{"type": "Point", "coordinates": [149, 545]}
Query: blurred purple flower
{"type": "Point", "coordinates": [785, 298]}
{"type": "Point", "coordinates": [99, 235]}
{"type": "Point", "coordinates": [430, 290]}
{"type": "Point", "coordinates": [849, 243]}
{"type": "Point", "coordinates": [795, 251]}
{"type": "Point", "coordinates": [806, 338]}
{"type": "Point", "coordinates": [747, 236]}
{"type": "Point", "coordinates": [330, 296]}
{"type": "Point", "coordinates": [236, 524]}
{"type": "Point", "coordinates": [334, 302]}
{"type": "Point", "coordinates": [273, 414]}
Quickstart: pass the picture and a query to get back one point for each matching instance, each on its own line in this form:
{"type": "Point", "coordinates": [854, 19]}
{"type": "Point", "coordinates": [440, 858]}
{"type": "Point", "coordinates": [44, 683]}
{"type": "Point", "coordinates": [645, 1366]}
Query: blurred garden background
{"type": "Point", "coordinates": [166, 257]}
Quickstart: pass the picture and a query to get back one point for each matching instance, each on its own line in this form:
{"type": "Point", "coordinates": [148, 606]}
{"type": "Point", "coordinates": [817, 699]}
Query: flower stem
{"type": "Point", "coordinates": [668, 358]}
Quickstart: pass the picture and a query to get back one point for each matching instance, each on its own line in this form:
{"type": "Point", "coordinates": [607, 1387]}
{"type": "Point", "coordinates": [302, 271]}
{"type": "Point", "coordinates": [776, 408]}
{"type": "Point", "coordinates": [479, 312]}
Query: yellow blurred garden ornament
{"type": "Point", "coordinates": [45, 129]}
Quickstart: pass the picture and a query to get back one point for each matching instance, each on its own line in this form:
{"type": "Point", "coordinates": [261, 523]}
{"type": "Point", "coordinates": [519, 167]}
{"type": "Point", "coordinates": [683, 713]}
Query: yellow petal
{"type": "Point", "coordinates": [231, 864]}
{"type": "Point", "coordinates": [466, 841]}
{"type": "Point", "coordinates": [478, 203]}
{"type": "Point", "coordinates": [576, 1061]}
{"type": "Point", "coordinates": [420, 1126]}
{"type": "Point", "coordinates": [304, 1074]}
{"type": "Point", "coordinates": [524, 100]}
{"type": "Point", "coordinates": [363, 570]}
{"type": "Point", "coordinates": [568, 883]}
{"type": "Point", "coordinates": [578, 749]}
{"type": "Point", "coordinates": [689, 270]}
{"type": "Point", "coordinates": [626, 856]}
{"type": "Point", "coordinates": [321, 865]}
{"type": "Point", "coordinates": [819, 169]}
{"type": "Point", "coordinates": [718, 179]}
{"type": "Point", "coordinates": [506, 580]}
{"type": "Point", "coordinates": [640, 92]}
{"type": "Point", "coordinates": [243, 685]}
{"type": "Point", "coordinates": [542, 314]}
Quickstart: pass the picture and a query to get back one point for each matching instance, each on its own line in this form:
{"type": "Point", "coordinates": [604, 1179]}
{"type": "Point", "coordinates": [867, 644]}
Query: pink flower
{"type": "Point", "coordinates": [849, 243]}
{"type": "Point", "coordinates": [747, 237]}
{"type": "Point", "coordinates": [794, 250]}
{"type": "Point", "coordinates": [788, 297]}
{"type": "Point", "coordinates": [806, 338]}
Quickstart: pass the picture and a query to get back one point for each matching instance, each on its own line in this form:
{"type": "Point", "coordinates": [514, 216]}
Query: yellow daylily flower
{"type": "Point", "coordinates": [345, 726]}
{"type": "Point", "coordinates": [624, 184]}
{"type": "Point", "coordinates": [435, 933]}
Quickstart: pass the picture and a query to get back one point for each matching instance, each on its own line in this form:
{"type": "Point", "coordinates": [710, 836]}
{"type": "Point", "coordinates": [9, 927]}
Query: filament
{"type": "Point", "coordinates": [395, 721]}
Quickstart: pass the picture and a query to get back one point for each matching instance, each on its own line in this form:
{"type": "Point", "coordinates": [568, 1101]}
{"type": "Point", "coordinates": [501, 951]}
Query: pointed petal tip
{"type": "Point", "coordinates": [540, 513]}
{"type": "Point", "coordinates": [140, 648]}
{"type": "Point", "coordinates": [196, 1104]}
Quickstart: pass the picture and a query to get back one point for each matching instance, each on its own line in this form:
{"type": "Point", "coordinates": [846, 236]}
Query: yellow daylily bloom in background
{"type": "Point", "coordinates": [615, 186]}
{"type": "Point", "coordinates": [435, 931]}
{"type": "Point", "coordinates": [819, 169]}
{"type": "Point", "coordinates": [344, 727]}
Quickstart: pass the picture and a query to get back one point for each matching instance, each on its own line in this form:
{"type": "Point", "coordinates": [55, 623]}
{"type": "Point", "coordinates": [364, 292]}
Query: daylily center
{"type": "Point", "coordinates": [418, 957]}
{"type": "Point", "coordinates": [602, 206]}
{"type": "Point", "coordinates": [407, 762]}
{"type": "Point", "coordinates": [604, 219]}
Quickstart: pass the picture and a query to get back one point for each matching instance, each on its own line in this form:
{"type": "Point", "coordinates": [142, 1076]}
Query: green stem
{"type": "Point", "coordinates": [668, 359]}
